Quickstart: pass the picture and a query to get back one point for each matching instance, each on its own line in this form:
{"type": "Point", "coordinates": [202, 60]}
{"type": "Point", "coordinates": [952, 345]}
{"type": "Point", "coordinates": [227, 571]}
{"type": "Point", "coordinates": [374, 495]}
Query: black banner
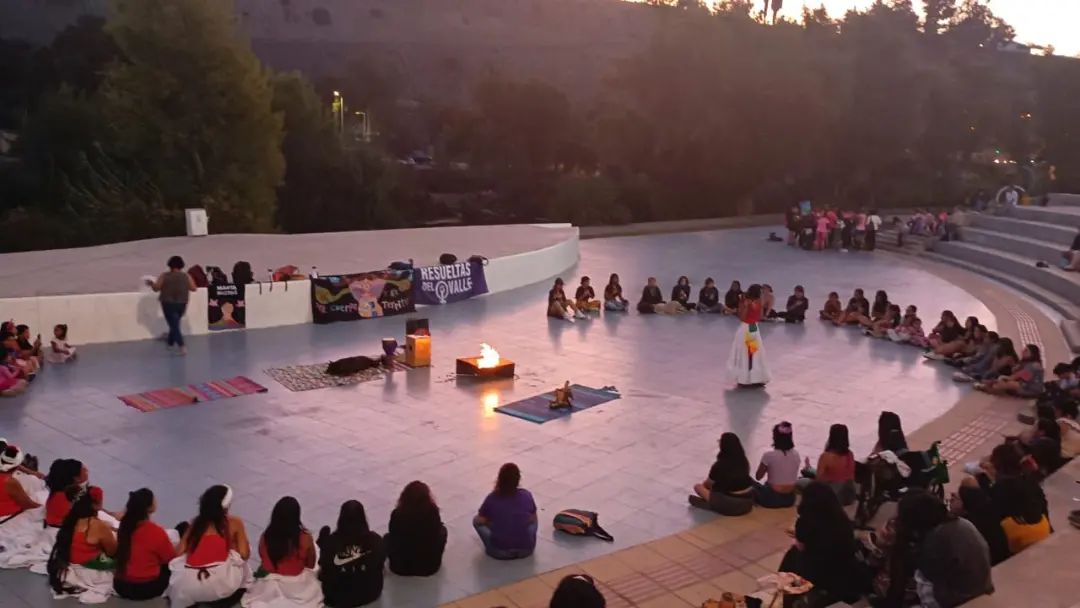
{"type": "Point", "coordinates": [225, 307]}
{"type": "Point", "coordinates": [367, 295]}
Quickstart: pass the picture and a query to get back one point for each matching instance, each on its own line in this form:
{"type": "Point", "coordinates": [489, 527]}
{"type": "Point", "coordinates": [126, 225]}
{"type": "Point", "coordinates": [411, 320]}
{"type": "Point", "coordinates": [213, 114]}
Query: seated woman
{"type": "Point", "coordinates": [834, 308]}
{"type": "Point", "coordinates": [709, 298]}
{"type": "Point", "coordinates": [287, 552]}
{"type": "Point", "coordinates": [11, 382]}
{"type": "Point", "coordinates": [797, 305]}
{"type": "Point", "coordinates": [585, 298]}
{"type": "Point", "coordinates": [1026, 380]}
{"type": "Point", "coordinates": [213, 553]}
{"type": "Point", "coordinates": [999, 361]}
{"type": "Point", "coordinates": [1065, 411]}
{"type": "Point", "coordinates": [81, 564]}
{"type": "Point", "coordinates": [417, 536]}
{"type": "Point", "coordinates": [143, 550]}
{"type": "Point", "coordinates": [652, 301]}
{"type": "Point", "coordinates": [732, 298]}
{"type": "Point", "coordinates": [881, 327]}
{"type": "Point", "coordinates": [824, 549]}
{"type": "Point", "coordinates": [890, 434]}
{"type": "Point", "coordinates": [59, 349]}
{"type": "Point", "coordinates": [858, 307]}
{"type": "Point", "coordinates": [577, 591]}
{"type": "Point", "coordinates": [19, 511]}
{"type": "Point", "coordinates": [768, 302]}
{"type": "Point", "coordinates": [613, 296]}
{"type": "Point", "coordinates": [506, 522]}
{"type": "Point", "coordinates": [981, 357]}
{"type": "Point", "coordinates": [37, 543]}
{"type": "Point", "coordinates": [728, 490]}
{"type": "Point", "coordinates": [559, 306]}
{"type": "Point", "coordinates": [680, 294]}
{"type": "Point", "coordinates": [835, 467]}
{"type": "Point", "coordinates": [780, 468]}
{"type": "Point", "coordinates": [947, 331]}
{"type": "Point", "coordinates": [878, 309]}
{"type": "Point", "coordinates": [26, 364]}
{"type": "Point", "coordinates": [351, 560]}
{"type": "Point", "coordinates": [965, 344]}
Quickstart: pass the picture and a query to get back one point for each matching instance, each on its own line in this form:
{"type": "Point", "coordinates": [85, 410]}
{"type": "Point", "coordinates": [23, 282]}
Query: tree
{"type": "Point", "coordinates": [191, 104]}
{"type": "Point", "coordinates": [938, 13]}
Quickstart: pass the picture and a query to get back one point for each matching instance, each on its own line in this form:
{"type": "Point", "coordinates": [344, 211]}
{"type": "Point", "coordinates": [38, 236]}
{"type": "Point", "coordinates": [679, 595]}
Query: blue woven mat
{"type": "Point", "coordinates": [535, 409]}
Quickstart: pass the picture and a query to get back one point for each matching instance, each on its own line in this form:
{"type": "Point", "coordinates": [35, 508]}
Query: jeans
{"type": "Point", "coordinates": [485, 534]}
{"type": "Point", "coordinates": [769, 498]}
{"type": "Point", "coordinates": [173, 312]}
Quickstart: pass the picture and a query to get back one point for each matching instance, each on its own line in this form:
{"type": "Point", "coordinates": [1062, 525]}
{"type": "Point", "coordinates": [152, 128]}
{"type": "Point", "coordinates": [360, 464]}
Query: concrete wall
{"type": "Point", "coordinates": [119, 317]}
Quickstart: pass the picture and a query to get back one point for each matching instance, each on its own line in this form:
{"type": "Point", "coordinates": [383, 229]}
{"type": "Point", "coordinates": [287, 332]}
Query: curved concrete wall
{"type": "Point", "coordinates": [119, 317]}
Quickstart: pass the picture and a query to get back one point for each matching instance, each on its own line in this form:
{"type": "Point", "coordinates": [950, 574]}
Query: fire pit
{"type": "Point", "coordinates": [488, 365]}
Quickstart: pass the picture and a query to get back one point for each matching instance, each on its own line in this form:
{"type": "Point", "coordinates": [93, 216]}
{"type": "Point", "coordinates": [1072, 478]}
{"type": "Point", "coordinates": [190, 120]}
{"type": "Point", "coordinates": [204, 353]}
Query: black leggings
{"type": "Point", "coordinates": [145, 590]}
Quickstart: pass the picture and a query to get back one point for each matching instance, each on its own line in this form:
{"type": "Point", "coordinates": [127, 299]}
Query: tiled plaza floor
{"type": "Point", "coordinates": [632, 460]}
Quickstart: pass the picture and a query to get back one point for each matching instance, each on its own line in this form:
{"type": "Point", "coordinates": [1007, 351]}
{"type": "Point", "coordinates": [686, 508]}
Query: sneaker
{"type": "Point", "coordinates": [893, 335]}
{"type": "Point", "coordinates": [961, 377]}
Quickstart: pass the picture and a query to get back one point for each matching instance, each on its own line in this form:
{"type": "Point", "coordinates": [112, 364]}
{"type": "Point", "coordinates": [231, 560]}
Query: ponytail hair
{"type": "Point", "coordinates": [136, 512]}
{"type": "Point", "coordinates": [82, 506]}
{"type": "Point", "coordinates": [212, 512]}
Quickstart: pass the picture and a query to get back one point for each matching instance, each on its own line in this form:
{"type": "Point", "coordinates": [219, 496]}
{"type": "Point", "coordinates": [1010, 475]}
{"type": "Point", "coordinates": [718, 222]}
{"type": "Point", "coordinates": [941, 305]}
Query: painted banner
{"type": "Point", "coordinates": [225, 307]}
{"type": "Point", "coordinates": [449, 283]}
{"type": "Point", "coordinates": [367, 295]}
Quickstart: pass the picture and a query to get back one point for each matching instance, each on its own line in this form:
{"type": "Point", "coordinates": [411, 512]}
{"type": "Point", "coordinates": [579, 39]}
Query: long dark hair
{"type": "Point", "coordinates": [62, 474]}
{"type": "Point", "coordinates": [888, 426]}
{"type": "Point", "coordinates": [782, 438]}
{"type": "Point", "coordinates": [613, 279]}
{"type": "Point", "coordinates": [753, 292]}
{"type": "Point", "coordinates": [82, 507]}
{"type": "Point", "coordinates": [577, 591]}
{"type": "Point", "coordinates": [352, 525]}
{"type": "Point", "coordinates": [136, 512]}
{"type": "Point", "coordinates": [969, 327]}
{"type": "Point", "coordinates": [732, 453]}
{"type": "Point", "coordinates": [211, 513]}
{"type": "Point", "coordinates": [506, 484]}
{"type": "Point", "coordinates": [416, 499]}
{"type": "Point", "coordinates": [838, 442]}
{"type": "Point", "coordinates": [282, 535]}
{"type": "Point", "coordinates": [1034, 354]}
{"type": "Point", "coordinates": [821, 508]}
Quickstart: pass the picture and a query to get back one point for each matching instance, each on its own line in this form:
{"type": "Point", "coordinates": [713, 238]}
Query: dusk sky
{"type": "Point", "coordinates": [1055, 22]}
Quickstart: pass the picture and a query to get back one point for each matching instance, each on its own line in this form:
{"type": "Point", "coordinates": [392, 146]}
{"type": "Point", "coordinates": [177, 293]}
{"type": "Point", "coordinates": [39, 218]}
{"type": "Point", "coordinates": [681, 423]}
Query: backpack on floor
{"type": "Point", "coordinates": [580, 523]}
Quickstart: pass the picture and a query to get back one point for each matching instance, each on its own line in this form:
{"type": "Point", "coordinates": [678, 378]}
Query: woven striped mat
{"type": "Point", "coordinates": [165, 398]}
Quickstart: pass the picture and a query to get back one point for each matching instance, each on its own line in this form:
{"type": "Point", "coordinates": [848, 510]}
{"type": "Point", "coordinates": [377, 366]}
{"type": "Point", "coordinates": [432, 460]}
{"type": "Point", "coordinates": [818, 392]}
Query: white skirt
{"type": "Point", "coordinates": [747, 362]}
{"type": "Point", "coordinates": [276, 591]}
{"type": "Point", "coordinates": [25, 542]}
{"type": "Point", "coordinates": [190, 585]}
{"type": "Point", "coordinates": [90, 586]}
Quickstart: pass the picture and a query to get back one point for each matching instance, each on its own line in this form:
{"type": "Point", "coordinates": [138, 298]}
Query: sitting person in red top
{"type": "Point", "coordinates": [143, 551]}
{"type": "Point", "coordinates": [20, 516]}
{"type": "Point", "coordinates": [214, 553]}
{"type": "Point", "coordinates": [287, 551]}
{"type": "Point", "coordinates": [80, 564]}
{"type": "Point", "coordinates": [63, 474]}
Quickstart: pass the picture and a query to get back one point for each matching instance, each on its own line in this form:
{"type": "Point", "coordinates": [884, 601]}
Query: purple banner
{"type": "Point", "coordinates": [434, 285]}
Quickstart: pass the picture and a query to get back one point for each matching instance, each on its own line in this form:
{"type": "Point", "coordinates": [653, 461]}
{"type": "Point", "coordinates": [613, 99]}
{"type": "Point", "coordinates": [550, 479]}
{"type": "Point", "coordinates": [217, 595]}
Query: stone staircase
{"type": "Point", "coordinates": [1007, 246]}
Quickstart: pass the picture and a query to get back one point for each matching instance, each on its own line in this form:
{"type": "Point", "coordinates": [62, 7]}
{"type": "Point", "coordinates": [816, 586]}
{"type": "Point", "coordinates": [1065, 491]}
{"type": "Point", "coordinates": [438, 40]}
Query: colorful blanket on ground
{"type": "Point", "coordinates": [298, 378]}
{"type": "Point", "coordinates": [165, 398]}
{"type": "Point", "coordinates": [537, 409]}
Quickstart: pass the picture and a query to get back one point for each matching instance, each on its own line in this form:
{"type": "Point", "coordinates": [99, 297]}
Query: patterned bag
{"type": "Point", "coordinates": [580, 523]}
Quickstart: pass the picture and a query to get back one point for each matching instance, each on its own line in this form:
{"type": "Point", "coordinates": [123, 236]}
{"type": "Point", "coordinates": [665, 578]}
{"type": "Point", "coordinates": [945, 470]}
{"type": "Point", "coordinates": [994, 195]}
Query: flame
{"type": "Point", "coordinates": [490, 401]}
{"type": "Point", "coordinates": [489, 357]}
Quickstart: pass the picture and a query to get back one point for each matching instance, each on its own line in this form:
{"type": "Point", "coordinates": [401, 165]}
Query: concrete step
{"type": "Point", "coordinates": [1053, 279]}
{"type": "Point", "coordinates": [1060, 215]}
{"type": "Point", "coordinates": [1038, 249]}
{"type": "Point", "coordinates": [1060, 198]}
{"type": "Point", "coordinates": [1052, 233]}
{"type": "Point", "coordinates": [1070, 325]}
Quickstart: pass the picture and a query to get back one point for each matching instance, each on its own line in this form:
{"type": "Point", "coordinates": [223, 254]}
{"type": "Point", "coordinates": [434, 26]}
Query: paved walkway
{"type": "Point", "coordinates": [632, 460]}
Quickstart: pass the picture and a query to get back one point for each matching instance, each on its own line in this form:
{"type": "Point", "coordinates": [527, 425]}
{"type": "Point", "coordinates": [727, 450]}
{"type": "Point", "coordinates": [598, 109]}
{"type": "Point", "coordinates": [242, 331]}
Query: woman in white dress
{"type": "Point", "coordinates": [747, 363]}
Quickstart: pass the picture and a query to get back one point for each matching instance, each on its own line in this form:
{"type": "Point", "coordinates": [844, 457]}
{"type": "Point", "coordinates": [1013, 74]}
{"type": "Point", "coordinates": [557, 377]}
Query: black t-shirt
{"type": "Point", "coordinates": [651, 295]}
{"type": "Point", "coordinates": [880, 308]}
{"type": "Point", "coordinates": [797, 304]}
{"type": "Point", "coordinates": [950, 333]}
{"type": "Point", "coordinates": [680, 293]}
{"type": "Point", "coordinates": [351, 574]}
{"type": "Point", "coordinates": [709, 296]}
{"type": "Point", "coordinates": [415, 543]}
{"type": "Point", "coordinates": [585, 292]}
{"type": "Point", "coordinates": [861, 305]}
{"type": "Point", "coordinates": [728, 477]}
{"type": "Point", "coordinates": [731, 298]}
{"type": "Point", "coordinates": [828, 555]}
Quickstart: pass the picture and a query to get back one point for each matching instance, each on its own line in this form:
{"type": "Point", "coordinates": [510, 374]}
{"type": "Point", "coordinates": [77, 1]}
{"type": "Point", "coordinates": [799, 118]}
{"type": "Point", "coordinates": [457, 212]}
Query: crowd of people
{"type": "Point", "coordinates": [828, 228]}
{"type": "Point", "coordinates": [56, 524]}
{"type": "Point", "coordinates": [23, 356]}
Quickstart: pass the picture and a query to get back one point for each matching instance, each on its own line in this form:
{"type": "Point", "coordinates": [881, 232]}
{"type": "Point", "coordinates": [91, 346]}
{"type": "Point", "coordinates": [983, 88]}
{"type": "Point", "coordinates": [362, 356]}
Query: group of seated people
{"type": "Point", "coordinates": [23, 356]}
{"type": "Point", "coordinates": [56, 524]}
{"type": "Point", "coordinates": [932, 553]}
{"type": "Point", "coordinates": [709, 300]}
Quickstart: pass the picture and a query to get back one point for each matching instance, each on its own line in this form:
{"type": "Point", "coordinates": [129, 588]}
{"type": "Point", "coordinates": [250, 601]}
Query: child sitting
{"type": "Point", "coordinates": [10, 382]}
{"type": "Point", "coordinates": [833, 308]}
{"type": "Point", "coordinates": [60, 351]}
{"type": "Point", "coordinates": [585, 297]}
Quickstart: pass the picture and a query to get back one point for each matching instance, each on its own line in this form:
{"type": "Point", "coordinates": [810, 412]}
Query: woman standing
{"type": "Point", "coordinates": [747, 362]}
{"type": "Point", "coordinates": [174, 288]}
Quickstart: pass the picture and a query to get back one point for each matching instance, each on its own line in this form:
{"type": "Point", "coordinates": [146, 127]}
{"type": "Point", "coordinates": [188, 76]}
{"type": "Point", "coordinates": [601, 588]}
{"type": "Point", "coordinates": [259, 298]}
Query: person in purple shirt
{"type": "Point", "coordinates": [507, 521]}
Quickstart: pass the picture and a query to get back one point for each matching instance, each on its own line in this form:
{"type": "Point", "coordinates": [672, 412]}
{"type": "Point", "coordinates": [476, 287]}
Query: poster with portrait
{"type": "Point", "coordinates": [225, 307]}
{"type": "Point", "coordinates": [449, 282]}
{"type": "Point", "coordinates": [366, 295]}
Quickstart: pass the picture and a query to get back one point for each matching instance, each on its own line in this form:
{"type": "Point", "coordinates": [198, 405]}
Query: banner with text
{"type": "Point", "coordinates": [225, 307]}
{"type": "Point", "coordinates": [449, 283]}
{"type": "Point", "coordinates": [366, 295]}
